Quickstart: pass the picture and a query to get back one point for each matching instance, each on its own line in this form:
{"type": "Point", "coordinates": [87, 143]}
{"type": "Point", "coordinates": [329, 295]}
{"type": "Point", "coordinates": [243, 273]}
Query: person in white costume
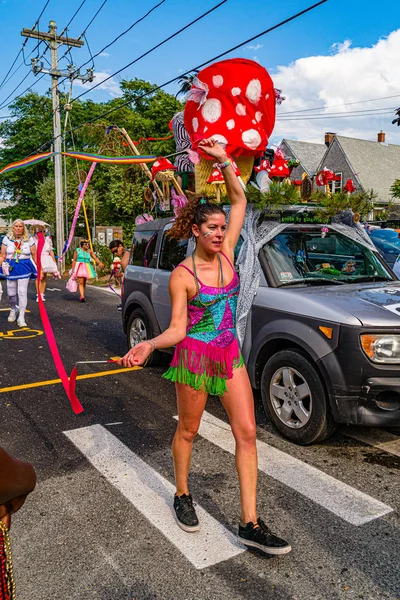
{"type": "Point", "coordinates": [18, 264]}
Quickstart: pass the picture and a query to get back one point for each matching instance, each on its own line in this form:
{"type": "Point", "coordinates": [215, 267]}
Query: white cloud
{"type": "Point", "coordinates": [346, 75]}
{"type": "Point", "coordinates": [255, 47]}
{"type": "Point", "coordinates": [111, 85]}
{"type": "Point", "coordinates": [104, 54]}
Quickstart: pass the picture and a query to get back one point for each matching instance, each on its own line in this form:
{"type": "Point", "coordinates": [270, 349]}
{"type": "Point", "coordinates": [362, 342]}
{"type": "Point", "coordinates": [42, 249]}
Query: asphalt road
{"type": "Point", "coordinates": [99, 524]}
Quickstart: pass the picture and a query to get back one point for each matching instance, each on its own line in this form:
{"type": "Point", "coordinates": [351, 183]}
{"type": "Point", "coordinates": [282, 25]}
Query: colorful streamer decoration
{"type": "Point", "coordinates": [115, 160]}
{"type": "Point", "coordinates": [68, 386]}
{"type": "Point", "coordinates": [26, 162]}
{"type": "Point", "coordinates": [77, 210]}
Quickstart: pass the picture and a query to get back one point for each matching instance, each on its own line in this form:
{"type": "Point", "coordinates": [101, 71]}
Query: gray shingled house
{"type": "Point", "coordinates": [371, 165]}
{"type": "Point", "coordinates": [309, 155]}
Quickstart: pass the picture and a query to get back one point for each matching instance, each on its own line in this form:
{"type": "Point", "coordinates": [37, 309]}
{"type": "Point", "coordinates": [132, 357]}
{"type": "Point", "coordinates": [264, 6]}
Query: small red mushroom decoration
{"type": "Point", "coordinates": [161, 165]}
{"type": "Point", "coordinates": [264, 165]}
{"type": "Point", "coordinates": [216, 178]}
{"type": "Point", "coordinates": [163, 170]}
{"type": "Point", "coordinates": [349, 187]}
{"type": "Point", "coordinates": [279, 167]}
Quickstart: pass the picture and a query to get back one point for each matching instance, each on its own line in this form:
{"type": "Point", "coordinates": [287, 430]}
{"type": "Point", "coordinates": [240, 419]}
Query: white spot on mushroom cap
{"type": "Point", "coordinates": [195, 123]}
{"type": "Point", "coordinates": [253, 91]}
{"type": "Point", "coordinates": [259, 116]}
{"type": "Point", "coordinates": [251, 138]}
{"type": "Point", "coordinates": [230, 124]}
{"type": "Point", "coordinates": [211, 110]}
{"type": "Point", "coordinates": [266, 96]}
{"type": "Point", "coordinates": [280, 168]}
{"type": "Point", "coordinates": [236, 91]}
{"type": "Point", "coordinates": [218, 80]}
{"type": "Point", "coordinates": [221, 139]}
{"type": "Point", "coordinates": [205, 129]}
{"type": "Point", "coordinates": [241, 109]}
{"type": "Point", "coordinates": [156, 164]}
{"type": "Point", "coordinates": [254, 122]}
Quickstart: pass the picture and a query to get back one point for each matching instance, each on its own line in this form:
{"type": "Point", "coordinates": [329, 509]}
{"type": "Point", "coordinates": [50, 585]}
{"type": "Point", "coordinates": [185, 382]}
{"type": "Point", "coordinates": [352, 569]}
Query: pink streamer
{"type": "Point", "coordinates": [77, 209]}
{"type": "Point", "coordinates": [69, 385]}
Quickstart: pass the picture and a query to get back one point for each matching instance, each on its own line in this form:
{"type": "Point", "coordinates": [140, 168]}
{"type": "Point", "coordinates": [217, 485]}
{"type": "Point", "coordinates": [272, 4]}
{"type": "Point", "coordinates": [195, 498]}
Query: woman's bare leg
{"type": "Point", "coordinates": [238, 402]}
{"type": "Point", "coordinates": [43, 281]}
{"type": "Point", "coordinates": [191, 404]}
{"type": "Point", "coordinates": [81, 285]}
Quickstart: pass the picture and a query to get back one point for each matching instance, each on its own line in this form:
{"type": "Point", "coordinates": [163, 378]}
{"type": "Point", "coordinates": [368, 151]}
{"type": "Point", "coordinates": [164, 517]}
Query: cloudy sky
{"type": "Point", "coordinates": [340, 59]}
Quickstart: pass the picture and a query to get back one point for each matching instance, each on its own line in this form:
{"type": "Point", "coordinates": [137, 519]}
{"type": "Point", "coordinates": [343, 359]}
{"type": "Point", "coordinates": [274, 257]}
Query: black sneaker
{"type": "Point", "coordinates": [262, 538]}
{"type": "Point", "coordinates": [185, 514]}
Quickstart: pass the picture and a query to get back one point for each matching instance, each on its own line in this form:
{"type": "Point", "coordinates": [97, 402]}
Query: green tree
{"type": "Point", "coordinates": [118, 189]}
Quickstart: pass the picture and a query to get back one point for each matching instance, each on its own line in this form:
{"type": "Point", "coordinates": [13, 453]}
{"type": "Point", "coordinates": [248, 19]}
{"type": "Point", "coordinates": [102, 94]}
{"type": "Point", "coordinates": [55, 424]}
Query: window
{"type": "Point", "coordinates": [173, 252]}
{"type": "Point", "coordinates": [336, 186]}
{"type": "Point", "coordinates": [143, 246]}
{"type": "Point", "coordinates": [304, 256]}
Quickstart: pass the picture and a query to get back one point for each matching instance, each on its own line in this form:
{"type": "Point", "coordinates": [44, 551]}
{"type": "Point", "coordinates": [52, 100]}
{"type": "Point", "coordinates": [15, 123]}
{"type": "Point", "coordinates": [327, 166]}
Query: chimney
{"type": "Point", "coordinates": [329, 138]}
{"type": "Point", "coordinates": [381, 137]}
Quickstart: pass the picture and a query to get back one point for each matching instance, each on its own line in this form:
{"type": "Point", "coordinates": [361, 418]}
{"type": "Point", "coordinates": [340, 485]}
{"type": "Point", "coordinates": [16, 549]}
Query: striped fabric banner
{"type": "Point", "coordinates": [115, 160]}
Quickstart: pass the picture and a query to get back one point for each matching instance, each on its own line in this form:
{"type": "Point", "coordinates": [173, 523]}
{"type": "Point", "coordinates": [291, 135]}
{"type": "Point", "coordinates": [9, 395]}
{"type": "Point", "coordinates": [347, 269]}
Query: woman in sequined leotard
{"type": "Point", "coordinates": [207, 359]}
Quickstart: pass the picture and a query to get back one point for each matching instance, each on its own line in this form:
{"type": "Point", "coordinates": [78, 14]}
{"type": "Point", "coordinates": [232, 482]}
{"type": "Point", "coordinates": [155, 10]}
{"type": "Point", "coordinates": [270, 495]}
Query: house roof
{"type": "Point", "coordinates": [376, 165]}
{"type": "Point", "coordinates": [309, 154]}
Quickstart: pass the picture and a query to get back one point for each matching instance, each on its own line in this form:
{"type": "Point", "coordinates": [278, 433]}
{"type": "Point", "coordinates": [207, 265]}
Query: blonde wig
{"type": "Point", "coordinates": [11, 234]}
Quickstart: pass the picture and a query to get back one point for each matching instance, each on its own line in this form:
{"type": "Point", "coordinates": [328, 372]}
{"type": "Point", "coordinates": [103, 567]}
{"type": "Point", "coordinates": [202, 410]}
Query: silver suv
{"type": "Point", "coordinates": [322, 340]}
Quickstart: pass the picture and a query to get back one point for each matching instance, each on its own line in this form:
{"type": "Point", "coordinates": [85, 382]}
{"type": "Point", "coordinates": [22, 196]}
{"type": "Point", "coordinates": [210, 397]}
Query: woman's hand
{"type": "Point", "coordinates": [214, 149]}
{"type": "Point", "coordinates": [100, 265]}
{"type": "Point", "coordinates": [136, 355]}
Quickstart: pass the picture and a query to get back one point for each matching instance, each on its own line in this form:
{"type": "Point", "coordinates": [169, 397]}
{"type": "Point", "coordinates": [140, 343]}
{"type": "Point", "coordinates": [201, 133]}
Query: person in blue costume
{"type": "Point", "coordinates": [18, 265]}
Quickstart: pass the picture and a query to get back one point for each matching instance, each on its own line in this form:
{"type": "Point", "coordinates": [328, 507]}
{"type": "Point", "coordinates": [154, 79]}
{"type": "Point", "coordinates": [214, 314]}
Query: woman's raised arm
{"type": "Point", "coordinates": [234, 190]}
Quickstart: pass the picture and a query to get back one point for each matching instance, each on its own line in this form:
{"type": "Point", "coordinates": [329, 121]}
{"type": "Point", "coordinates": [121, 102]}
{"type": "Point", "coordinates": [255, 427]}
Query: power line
{"type": "Point", "coordinates": [343, 116]}
{"type": "Point", "coordinates": [72, 18]}
{"type": "Point", "coordinates": [15, 89]}
{"type": "Point", "coordinates": [152, 49]}
{"type": "Point", "coordinates": [22, 93]}
{"type": "Point", "coordinates": [21, 49]}
{"type": "Point", "coordinates": [93, 18]}
{"type": "Point", "coordinates": [338, 114]}
{"type": "Point", "coordinates": [336, 105]}
{"type": "Point", "coordinates": [292, 18]}
{"type": "Point", "coordinates": [120, 35]}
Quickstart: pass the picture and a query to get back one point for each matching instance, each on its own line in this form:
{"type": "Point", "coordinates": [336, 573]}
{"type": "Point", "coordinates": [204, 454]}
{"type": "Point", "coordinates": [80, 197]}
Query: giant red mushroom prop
{"type": "Point", "coordinates": [232, 101]}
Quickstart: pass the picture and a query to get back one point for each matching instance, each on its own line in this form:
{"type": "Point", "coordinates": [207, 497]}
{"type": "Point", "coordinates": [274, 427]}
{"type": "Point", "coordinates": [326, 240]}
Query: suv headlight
{"type": "Point", "coordinates": [381, 348]}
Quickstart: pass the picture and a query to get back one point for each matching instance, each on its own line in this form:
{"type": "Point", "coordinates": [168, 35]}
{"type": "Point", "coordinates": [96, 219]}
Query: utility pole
{"type": "Point", "coordinates": [54, 42]}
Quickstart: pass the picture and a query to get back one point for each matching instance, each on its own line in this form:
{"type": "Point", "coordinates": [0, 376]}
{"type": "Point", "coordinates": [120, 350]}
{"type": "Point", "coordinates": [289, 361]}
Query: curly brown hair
{"type": "Point", "coordinates": [195, 212]}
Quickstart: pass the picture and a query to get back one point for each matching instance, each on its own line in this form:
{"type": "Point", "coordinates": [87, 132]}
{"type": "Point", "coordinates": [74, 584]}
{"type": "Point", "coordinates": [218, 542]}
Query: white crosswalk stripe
{"type": "Point", "coordinates": [379, 438]}
{"type": "Point", "coordinates": [346, 502]}
{"type": "Point", "coordinates": [152, 495]}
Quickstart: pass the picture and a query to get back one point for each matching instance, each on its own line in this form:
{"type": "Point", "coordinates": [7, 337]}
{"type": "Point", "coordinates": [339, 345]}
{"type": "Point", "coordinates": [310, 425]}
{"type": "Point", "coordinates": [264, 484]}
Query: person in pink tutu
{"type": "Point", "coordinates": [82, 267]}
{"type": "Point", "coordinates": [48, 262]}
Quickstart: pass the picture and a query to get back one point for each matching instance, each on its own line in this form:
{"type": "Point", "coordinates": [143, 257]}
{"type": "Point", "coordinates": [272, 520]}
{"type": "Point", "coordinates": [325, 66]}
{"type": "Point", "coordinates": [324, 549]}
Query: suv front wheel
{"type": "Point", "coordinates": [295, 399]}
{"type": "Point", "coordinates": [139, 330]}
